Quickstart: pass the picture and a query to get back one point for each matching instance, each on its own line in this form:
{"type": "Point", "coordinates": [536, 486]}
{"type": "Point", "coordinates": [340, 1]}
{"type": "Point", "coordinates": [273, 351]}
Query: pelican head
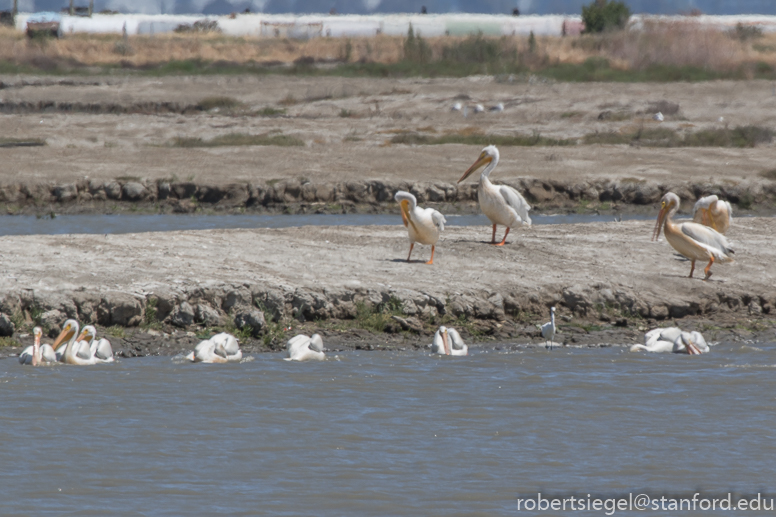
{"type": "Point", "coordinates": [316, 343]}
{"type": "Point", "coordinates": [487, 156]}
{"type": "Point", "coordinates": [69, 331]}
{"type": "Point", "coordinates": [38, 333]}
{"type": "Point", "coordinates": [87, 334]}
{"type": "Point", "coordinates": [668, 207]}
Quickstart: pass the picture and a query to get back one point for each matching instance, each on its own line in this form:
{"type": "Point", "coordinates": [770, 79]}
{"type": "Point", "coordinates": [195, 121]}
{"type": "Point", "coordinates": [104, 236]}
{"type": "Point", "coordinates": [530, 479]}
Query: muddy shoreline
{"type": "Point", "coordinates": [609, 282]}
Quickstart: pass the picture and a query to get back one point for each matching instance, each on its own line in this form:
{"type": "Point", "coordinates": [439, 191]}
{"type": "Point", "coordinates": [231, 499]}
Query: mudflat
{"type": "Point", "coordinates": [346, 126]}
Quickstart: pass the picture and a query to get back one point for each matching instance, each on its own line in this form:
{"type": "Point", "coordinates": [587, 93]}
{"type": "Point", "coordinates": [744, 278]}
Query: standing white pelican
{"type": "Point", "coordinates": [693, 240]}
{"type": "Point", "coordinates": [221, 348]}
{"type": "Point", "coordinates": [713, 212]}
{"type": "Point", "coordinates": [100, 350]}
{"type": "Point", "coordinates": [38, 354]}
{"type": "Point", "coordinates": [67, 336]}
{"type": "Point", "coordinates": [673, 340]}
{"type": "Point", "coordinates": [447, 341]}
{"type": "Point", "coordinates": [479, 108]}
{"type": "Point", "coordinates": [502, 204]}
{"type": "Point", "coordinates": [423, 224]}
{"type": "Point", "coordinates": [548, 329]}
{"type": "Point", "coordinates": [303, 348]}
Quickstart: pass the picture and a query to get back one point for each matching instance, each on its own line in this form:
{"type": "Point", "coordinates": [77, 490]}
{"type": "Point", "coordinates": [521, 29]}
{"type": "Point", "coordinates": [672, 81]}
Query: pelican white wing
{"type": "Point", "coordinates": [516, 202]}
{"type": "Point", "coordinates": [710, 239]}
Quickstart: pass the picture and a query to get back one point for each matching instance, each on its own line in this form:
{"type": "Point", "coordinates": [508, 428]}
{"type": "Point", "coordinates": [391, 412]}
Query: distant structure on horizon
{"type": "Point", "coordinates": [523, 7]}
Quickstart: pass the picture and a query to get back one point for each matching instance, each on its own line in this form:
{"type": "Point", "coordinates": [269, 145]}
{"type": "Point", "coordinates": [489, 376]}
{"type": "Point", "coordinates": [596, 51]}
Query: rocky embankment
{"type": "Point", "coordinates": [98, 196]}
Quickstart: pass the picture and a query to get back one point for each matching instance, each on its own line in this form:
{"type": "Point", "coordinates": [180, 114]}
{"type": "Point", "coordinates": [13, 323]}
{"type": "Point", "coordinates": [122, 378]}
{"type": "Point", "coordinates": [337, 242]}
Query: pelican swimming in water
{"type": "Point", "coordinates": [423, 224]}
{"type": "Point", "coordinates": [100, 350]}
{"type": "Point", "coordinates": [447, 341]}
{"type": "Point", "coordinates": [714, 213]}
{"type": "Point", "coordinates": [221, 348]}
{"type": "Point", "coordinates": [672, 340]}
{"type": "Point", "coordinates": [65, 338]}
{"type": "Point", "coordinates": [692, 240]}
{"type": "Point", "coordinates": [37, 354]}
{"type": "Point", "coordinates": [304, 348]}
{"type": "Point", "coordinates": [502, 204]}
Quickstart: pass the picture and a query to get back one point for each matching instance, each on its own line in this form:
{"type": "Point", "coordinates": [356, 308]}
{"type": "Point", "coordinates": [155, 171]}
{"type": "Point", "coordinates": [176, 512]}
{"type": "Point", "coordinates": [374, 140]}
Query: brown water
{"type": "Point", "coordinates": [383, 433]}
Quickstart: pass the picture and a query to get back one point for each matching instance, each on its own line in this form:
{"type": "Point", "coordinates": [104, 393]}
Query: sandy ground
{"type": "Point", "coordinates": [542, 260]}
{"type": "Point", "coordinates": [339, 148]}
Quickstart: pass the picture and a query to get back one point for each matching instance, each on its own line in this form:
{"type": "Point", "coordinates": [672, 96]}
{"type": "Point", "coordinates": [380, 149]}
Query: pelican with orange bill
{"type": "Point", "coordinates": [501, 203]}
{"type": "Point", "coordinates": [692, 240]}
{"type": "Point", "coordinates": [447, 341]}
{"type": "Point", "coordinates": [423, 224]}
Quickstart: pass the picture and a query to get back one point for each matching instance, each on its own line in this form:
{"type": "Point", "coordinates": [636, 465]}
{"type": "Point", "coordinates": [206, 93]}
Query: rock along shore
{"type": "Point", "coordinates": [293, 195]}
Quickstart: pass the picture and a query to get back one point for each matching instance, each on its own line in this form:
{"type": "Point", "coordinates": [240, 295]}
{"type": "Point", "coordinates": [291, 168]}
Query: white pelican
{"type": "Point", "coordinates": [447, 341]}
{"type": "Point", "coordinates": [548, 329]}
{"type": "Point", "coordinates": [673, 340]}
{"type": "Point", "coordinates": [221, 348]}
{"type": "Point", "coordinates": [479, 108]}
{"type": "Point", "coordinates": [67, 336]}
{"type": "Point", "coordinates": [502, 204]}
{"type": "Point", "coordinates": [658, 116]}
{"type": "Point", "coordinates": [498, 108]}
{"type": "Point", "coordinates": [693, 240]}
{"type": "Point", "coordinates": [423, 224]}
{"type": "Point", "coordinates": [713, 212]}
{"type": "Point", "coordinates": [100, 350]}
{"type": "Point", "coordinates": [303, 348]}
{"type": "Point", "coordinates": [456, 107]}
{"type": "Point", "coordinates": [38, 354]}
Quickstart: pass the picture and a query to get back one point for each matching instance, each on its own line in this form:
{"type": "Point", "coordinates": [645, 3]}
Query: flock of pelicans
{"type": "Point", "coordinates": [702, 239]}
{"type": "Point", "coordinates": [72, 347]}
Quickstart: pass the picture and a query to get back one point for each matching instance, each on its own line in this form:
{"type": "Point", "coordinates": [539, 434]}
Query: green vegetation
{"type": "Point", "coordinates": [221, 103]}
{"type": "Point", "coordinates": [269, 111]}
{"type": "Point", "coordinates": [740, 136]}
{"type": "Point", "coordinates": [535, 139]}
{"type": "Point", "coordinates": [22, 142]}
{"type": "Point", "coordinates": [605, 15]}
{"type": "Point", "coordinates": [234, 139]}
{"type": "Point", "coordinates": [116, 331]}
{"type": "Point", "coordinates": [346, 113]}
{"type": "Point", "coordinates": [7, 341]}
{"type": "Point", "coordinates": [769, 174]}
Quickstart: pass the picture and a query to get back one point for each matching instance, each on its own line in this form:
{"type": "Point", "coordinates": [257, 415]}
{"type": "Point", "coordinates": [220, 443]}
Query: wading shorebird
{"type": "Point", "coordinates": [692, 240]}
{"type": "Point", "coordinates": [714, 213]}
{"type": "Point", "coordinates": [548, 329]}
{"type": "Point", "coordinates": [423, 224]}
{"type": "Point", "coordinates": [447, 341]}
{"type": "Point", "coordinates": [37, 354]}
{"type": "Point", "coordinates": [304, 348]}
{"type": "Point", "coordinates": [502, 204]}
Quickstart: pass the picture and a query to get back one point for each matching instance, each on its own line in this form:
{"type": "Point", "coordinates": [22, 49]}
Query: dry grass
{"type": "Point", "coordinates": [676, 44]}
{"type": "Point", "coordinates": [237, 139]}
{"type": "Point", "coordinates": [685, 43]}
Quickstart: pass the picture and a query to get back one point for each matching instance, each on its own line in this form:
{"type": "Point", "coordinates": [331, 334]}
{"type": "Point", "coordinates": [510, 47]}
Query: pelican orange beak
{"type": "Point", "coordinates": [446, 341]}
{"type": "Point", "coordinates": [692, 349]}
{"type": "Point", "coordinates": [66, 334]}
{"type": "Point", "coordinates": [659, 224]}
{"type": "Point", "coordinates": [484, 159]}
{"type": "Point", "coordinates": [83, 336]}
{"type": "Point", "coordinates": [405, 214]}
